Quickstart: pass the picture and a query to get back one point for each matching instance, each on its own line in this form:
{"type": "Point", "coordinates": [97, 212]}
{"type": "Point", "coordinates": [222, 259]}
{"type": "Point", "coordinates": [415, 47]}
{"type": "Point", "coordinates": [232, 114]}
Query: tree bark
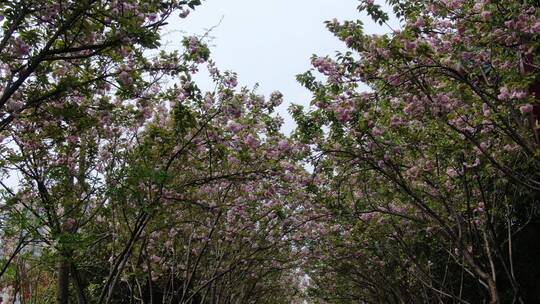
{"type": "Point", "coordinates": [78, 284]}
{"type": "Point", "coordinates": [63, 281]}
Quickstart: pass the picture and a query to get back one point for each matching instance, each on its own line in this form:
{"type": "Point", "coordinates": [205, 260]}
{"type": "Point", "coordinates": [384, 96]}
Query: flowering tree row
{"type": "Point", "coordinates": [432, 173]}
{"type": "Point", "coordinates": [122, 181]}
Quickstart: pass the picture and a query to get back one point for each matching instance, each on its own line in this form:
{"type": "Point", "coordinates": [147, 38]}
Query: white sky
{"type": "Point", "coordinates": [270, 41]}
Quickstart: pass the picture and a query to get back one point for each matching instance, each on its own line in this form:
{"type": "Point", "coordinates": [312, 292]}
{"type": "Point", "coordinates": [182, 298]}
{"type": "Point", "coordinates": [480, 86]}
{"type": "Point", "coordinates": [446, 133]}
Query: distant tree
{"type": "Point", "coordinates": [212, 198]}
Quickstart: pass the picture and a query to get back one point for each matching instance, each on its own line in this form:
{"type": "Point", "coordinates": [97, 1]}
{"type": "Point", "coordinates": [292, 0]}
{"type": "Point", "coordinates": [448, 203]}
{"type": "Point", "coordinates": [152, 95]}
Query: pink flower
{"type": "Point", "coordinates": [283, 145]}
{"type": "Point", "coordinates": [183, 13]}
{"type": "Point", "coordinates": [451, 172]}
{"type": "Point", "coordinates": [155, 259]}
{"type": "Point", "coordinates": [14, 105]}
{"type": "Point", "coordinates": [125, 78]}
{"type": "Point", "coordinates": [504, 94]}
{"type": "Point", "coordinates": [536, 27]}
{"type": "Point", "coordinates": [410, 45]}
{"type": "Point", "coordinates": [193, 44]}
{"type": "Point", "coordinates": [326, 66]}
{"type": "Point", "coordinates": [486, 110]}
{"type": "Point", "coordinates": [344, 116]}
{"type": "Point", "coordinates": [251, 141]}
{"type": "Point", "coordinates": [429, 166]}
{"type": "Point", "coordinates": [367, 216]}
{"type": "Point", "coordinates": [519, 94]}
{"type": "Point", "coordinates": [420, 22]}
{"type": "Point", "coordinates": [349, 41]}
{"type": "Point", "coordinates": [526, 108]}
{"type": "Point", "coordinates": [70, 224]}
{"type": "Point", "coordinates": [376, 131]}
{"type": "Point", "coordinates": [511, 24]}
{"type": "Point", "coordinates": [234, 127]}
{"type": "Point", "coordinates": [510, 148]}
{"type": "Point", "coordinates": [152, 17]}
{"type": "Point", "coordinates": [396, 121]}
{"type": "Point", "coordinates": [485, 15]}
{"type": "Point", "coordinates": [231, 82]}
{"type": "Point", "coordinates": [72, 139]}
{"type": "Point", "coordinates": [453, 4]}
{"type": "Point", "coordinates": [21, 47]}
{"type": "Point", "coordinates": [276, 98]}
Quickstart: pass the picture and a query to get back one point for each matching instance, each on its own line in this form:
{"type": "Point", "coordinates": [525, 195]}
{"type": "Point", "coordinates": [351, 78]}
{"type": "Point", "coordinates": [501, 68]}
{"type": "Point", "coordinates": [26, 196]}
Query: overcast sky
{"type": "Point", "coordinates": [270, 41]}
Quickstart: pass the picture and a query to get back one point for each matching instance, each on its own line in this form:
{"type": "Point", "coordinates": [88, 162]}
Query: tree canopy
{"type": "Point", "coordinates": [412, 177]}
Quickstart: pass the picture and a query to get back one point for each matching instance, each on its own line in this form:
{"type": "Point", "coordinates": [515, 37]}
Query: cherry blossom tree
{"type": "Point", "coordinates": [75, 84]}
{"type": "Point", "coordinates": [432, 173]}
{"type": "Point", "coordinates": [163, 194]}
{"type": "Point", "coordinates": [122, 181]}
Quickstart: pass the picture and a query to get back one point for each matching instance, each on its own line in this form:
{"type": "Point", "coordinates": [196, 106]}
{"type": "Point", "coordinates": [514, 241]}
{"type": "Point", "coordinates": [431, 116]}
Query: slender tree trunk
{"type": "Point", "coordinates": [493, 292]}
{"type": "Point", "coordinates": [63, 280]}
{"type": "Point", "coordinates": [78, 284]}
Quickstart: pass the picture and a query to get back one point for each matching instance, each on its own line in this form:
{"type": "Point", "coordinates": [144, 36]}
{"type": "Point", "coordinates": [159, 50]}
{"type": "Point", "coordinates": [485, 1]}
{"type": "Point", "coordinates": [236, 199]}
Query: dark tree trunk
{"type": "Point", "coordinates": [63, 281]}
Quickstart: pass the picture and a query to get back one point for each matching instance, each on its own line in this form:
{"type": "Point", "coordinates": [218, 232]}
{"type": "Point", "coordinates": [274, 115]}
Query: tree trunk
{"type": "Point", "coordinates": [78, 285]}
{"type": "Point", "coordinates": [63, 280]}
{"type": "Point", "coordinates": [493, 292]}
